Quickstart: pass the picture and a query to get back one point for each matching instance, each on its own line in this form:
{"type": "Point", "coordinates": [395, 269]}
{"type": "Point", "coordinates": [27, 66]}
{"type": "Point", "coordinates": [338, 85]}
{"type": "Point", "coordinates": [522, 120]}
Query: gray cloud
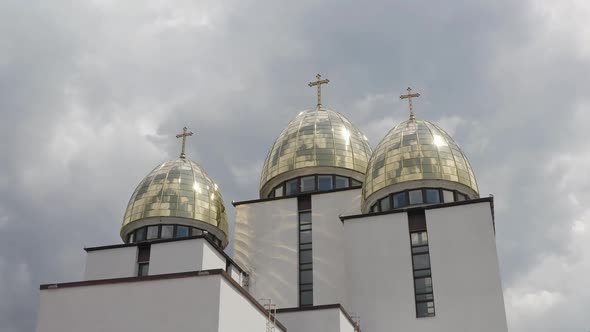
{"type": "Point", "coordinates": [92, 93]}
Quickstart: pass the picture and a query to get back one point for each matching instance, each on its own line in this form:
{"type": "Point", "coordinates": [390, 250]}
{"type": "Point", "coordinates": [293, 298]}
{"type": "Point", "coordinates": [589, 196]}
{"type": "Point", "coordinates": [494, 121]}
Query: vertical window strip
{"type": "Point", "coordinates": [305, 251]}
{"type": "Point", "coordinates": [422, 274]}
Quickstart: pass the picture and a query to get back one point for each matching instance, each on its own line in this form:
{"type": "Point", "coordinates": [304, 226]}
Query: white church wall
{"type": "Point", "coordinates": [379, 269]}
{"type": "Point", "coordinates": [329, 264]}
{"type": "Point", "coordinates": [266, 246]}
{"type": "Point", "coordinates": [465, 273]}
{"type": "Point", "coordinates": [179, 305]}
{"type": "Point", "coordinates": [111, 263]}
{"type": "Point", "coordinates": [238, 314]}
{"type": "Point", "coordinates": [212, 259]}
{"type": "Point", "coordinates": [324, 320]}
{"type": "Point", "coordinates": [177, 256]}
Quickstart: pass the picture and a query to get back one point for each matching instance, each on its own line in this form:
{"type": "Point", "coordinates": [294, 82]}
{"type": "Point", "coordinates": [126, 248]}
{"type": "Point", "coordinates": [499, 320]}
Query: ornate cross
{"type": "Point", "coordinates": [409, 97]}
{"type": "Point", "coordinates": [184, 135]}
{"type": "Point", "coordinates": [319, 83]}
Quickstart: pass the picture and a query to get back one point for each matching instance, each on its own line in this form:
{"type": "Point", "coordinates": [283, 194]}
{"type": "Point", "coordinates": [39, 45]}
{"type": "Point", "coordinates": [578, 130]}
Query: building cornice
{"type": "Point", "coordinates": [423, 207]}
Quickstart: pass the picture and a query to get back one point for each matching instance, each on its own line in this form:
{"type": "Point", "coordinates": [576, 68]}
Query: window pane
{"type": "Point", "coordinates": [305, 227]}
{"type": "Point", "coordinates": [305, 246]}
{"type": "Point", "coordinates": [131, 237]}
{"type": "Point", "coordinates": [304, 217]}
{"type": "Point", "coordinates": [305, 266]}
{"type": "Point", "coordinates": [416, 197]}
{"type": "Point", "coordinates": [419, 250]}
{"type": "Point", "coordinates": [425, 309]}
{"type": "Point", "coordinates": [374, 208]}
{"type": "Point", "coordinates": [140, 234]}
{"type": "Point", "coordinates": [167, 231]}
{"type": "Point", "coordinates": [305, 257]}
{"type": "Point", "coordinates": [461, 197]}
{"type": "Point", "coordinates": [306, 287]}
{"type": "Point", "coordinates": [305, 277]}
{"type": "Point", "coordinates": [308, 183]}
{"type": "Point", "coordinates": [181, 231]}
{"type": "Point", "coordinates": [355, 183]}
{"type": "Point", "coordinates": [279, 191]}
{"type": "Point", "coordinates": [419, 238]}
{"type": "Point", "coordinates": [385, 204]}
{"type": "Point", "coordinates": [306, 298]}
{"type": "Point", "coordinates": [424, 297]}
{"type": "Point", "coordinates": [432, 196]}
{"type": "Point", "coordinates": [325, 182]}
{"type": "Point", "coordinates": [143, 254]}
{"type": "Point", "coordinates": [152, 232]}
{"type": "Point", "coordinates": [341, 182]}
{"type": "Point", "coordinates": [423, 285]}
{"type": "Point", "coordinates": [421, 261]}
{"type": "Point", "coordinates": [422, 273]}
{"type": "Point", "coordinates": [143, 269]}
{"type": "Point", "coordinates": [448, 196]}
{"type": "Point", "coordinates": [292, 187]}
{"type": "Point", "coordinates": [305, 237]}
{"type": "Point", "coordinates": [196, 231]}
{"type": "Point", "coordinates": [400, 200]}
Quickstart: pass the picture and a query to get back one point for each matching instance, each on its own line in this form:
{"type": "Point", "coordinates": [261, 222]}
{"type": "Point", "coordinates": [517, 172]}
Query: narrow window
{"type": "Point", "coordinates": [416, 197]}
{"type": "Point", "coordinates": [385, 203]}
{"type": "Point", "coordinates": [152, 232]}
{"type": "Point", "coordinates": [400, 200]}
{"type": "Point", "coordinates": [341, 182]}
{"type": "Point", "coordinates": [279, 191]}
{"type": "Point", "coordinates": [448, 196]}
{"type": "Point", "coordinates": [423, 290]}
{"type": "Point", "coordinates": [308, 183]}
{"type": "Point", "coordinates": [432, 196]}
{"type": "Point", "coordinates": [167, 231]}
{"type": "Point", "coordinates": [140, 234]}
{"type": "Point", "coordinates": [181, 231]}
{"type": "Point", "coordinates": [292, 187]}
{"type": "Point", "coordinates": [305, 251]}
{"type": "Point", "coordinates": [143, 260]}
{"type": "Point", "coordinates": [196, 231]}
{"type": "Point", "coordinates": [131, 237]}
{"type": "Point", "coordinates": [355, 183]}
{"type": "Point", "coordinates": [325, 182]}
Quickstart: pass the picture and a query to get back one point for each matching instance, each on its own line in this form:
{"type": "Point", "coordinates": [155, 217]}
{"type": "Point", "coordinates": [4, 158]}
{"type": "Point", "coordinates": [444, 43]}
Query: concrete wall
{"type": "Point", "coordinates": [379, 269]}
{"type": "Point", "coordinates": [324, 320]}
{"type": "Point", "coordinates": [198, 303]}
{"type": "Point", "coordinates": [466, 279]}
{"type": "Point", "coordinates": [176, 256]}
{"type": "Point", "coordinates": [180, 305]}
{"type": "Point", "coordinates": [465, 273]}
{"type": "Point", "coordinates": [329, 265]}
{"type": "Point", "coordinates": [111, 263]}
{"type": "Point", "coordinates": [212, 259]}
{"type": "Point", "coordinates": [265, 245]}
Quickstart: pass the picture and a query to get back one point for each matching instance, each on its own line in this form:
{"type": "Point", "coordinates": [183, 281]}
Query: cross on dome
{"type": "Point", "coordinates": [184, 135]}
{"type": "Point", "coordinates": [319, 83]}
{"type": "Point", "coordinates": [409, 97]}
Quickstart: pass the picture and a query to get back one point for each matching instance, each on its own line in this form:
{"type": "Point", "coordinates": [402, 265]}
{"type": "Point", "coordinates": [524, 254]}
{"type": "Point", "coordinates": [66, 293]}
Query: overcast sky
{"type": "Point", "coordinates": [93, 92]}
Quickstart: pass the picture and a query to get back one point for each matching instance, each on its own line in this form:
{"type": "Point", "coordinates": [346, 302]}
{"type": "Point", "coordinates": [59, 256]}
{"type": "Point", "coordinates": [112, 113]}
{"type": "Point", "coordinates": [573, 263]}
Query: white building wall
{"type": "Point", "coordinates": [329, 264]}
{"type": "Point", "coordinates": [266, 246]}
{"type": "Point", "coordinates": [238, 314]}
{"type": "Point", "coordinates": [379, 269]}
{"type": "Point", "coordinates": [465, 273]}
{"type": "Point", "coordinates": [111, 263]}
{"type": "Point", "coordinates": [212, 259]}
{"type": "Point", "coordinates": [177, 256]}
{"type": "Point", "coordinates": [324, 320]}
{"type": "Point", "coordinates": [180, 305]}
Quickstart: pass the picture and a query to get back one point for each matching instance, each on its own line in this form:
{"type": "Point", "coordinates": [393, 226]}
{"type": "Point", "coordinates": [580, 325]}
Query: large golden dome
{"type": "Point", "coordinates": [318, 141]}
{"type": "Point", "coordinates": [417, 153]}
{"type": "Point", "coordinates": [177, 192]}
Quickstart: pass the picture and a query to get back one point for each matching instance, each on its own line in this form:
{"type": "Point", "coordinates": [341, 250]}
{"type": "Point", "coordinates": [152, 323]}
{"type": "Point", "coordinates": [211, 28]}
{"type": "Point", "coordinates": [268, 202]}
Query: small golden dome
{"type": "Point", "coordinates": [316, 141]}
{"type": "Point", "coordinates": [180, 192]}
{"type": "Point", "coordinates": [417, 153]}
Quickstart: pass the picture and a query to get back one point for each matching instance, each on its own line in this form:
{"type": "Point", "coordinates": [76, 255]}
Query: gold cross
{"type": "Point", "coordinates": [184, 135]}
{"type": "Point", "coordinates": [409, 96]}
{"type": "Point", "coordinates": [319, 83]}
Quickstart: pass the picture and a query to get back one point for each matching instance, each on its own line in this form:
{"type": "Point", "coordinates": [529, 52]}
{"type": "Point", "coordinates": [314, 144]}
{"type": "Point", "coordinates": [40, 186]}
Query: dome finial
{"type": "Point", "coordinates": [319, 83]}
{"type": "Point", "coordinates": [184, 135]}
{"type": "Point", "coordinates": [409, 96]}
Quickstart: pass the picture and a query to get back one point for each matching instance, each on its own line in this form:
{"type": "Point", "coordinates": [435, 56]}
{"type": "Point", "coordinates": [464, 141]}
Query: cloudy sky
{"type": "Point", "coordinates": [92, 93]}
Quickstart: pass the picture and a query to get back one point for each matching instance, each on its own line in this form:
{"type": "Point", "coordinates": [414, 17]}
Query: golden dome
{"type": "Point", "coordinates": [314, 142]}
{"type": "Point", "coordinates": [177, 192]}
{"type": "Point", "coordinates": [417, 153]}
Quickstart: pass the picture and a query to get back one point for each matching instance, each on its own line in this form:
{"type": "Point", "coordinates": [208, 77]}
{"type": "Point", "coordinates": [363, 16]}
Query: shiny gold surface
{"type": "Point", "coordinates": [178, 188]}
{"type": "Point", "coordinates": [317, 138]}
{"type": "Point", "coordinates": [184, 135]}
{"type": "Point", "coordinates": [417, 150]}
{"type": "Point", "coordinates": [318, 83]}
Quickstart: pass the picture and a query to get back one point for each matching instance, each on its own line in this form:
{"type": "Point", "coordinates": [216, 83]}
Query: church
{"type": "Point", "coordinates": [342, 238]}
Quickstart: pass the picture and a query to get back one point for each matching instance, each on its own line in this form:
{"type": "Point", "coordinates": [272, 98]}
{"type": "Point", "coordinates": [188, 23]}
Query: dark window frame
{"type": "Point", "coordinates": [376, 207]}
{"type": "Point", "coordinates": [317, 185]}
{"type": "Point", "coordinates": [428, 274]}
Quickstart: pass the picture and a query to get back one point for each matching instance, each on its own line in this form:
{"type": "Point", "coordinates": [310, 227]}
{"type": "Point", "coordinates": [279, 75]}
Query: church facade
{"type": "Point", "coordinates": [341, 238]}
